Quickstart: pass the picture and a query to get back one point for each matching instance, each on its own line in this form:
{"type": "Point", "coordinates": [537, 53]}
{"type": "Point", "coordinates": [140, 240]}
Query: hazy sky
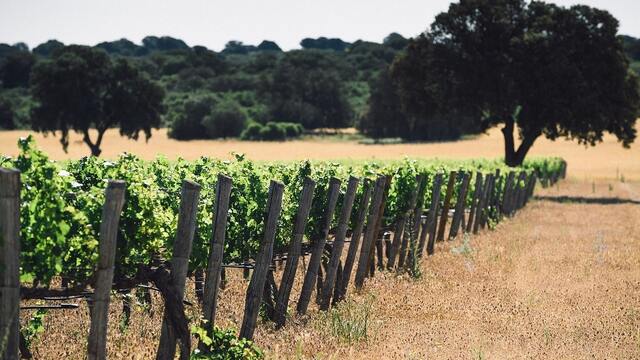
{"type": "Point", "coordinates": [212, 23]}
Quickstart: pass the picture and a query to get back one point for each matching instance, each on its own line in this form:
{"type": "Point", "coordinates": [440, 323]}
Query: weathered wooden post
{"type": "Point", "coordinates": [413, 208]}
{"type": "Point", "coordinates": [458, 215]}
{"type": "Point", "coordinates": [446, 204]}
{"type": "Point", "coordinates": [338, 243]}
{"type": "Point", "coordinates": [370, 234]}
{"type": "Point", "coordinates": [400, 242]}
{"type": "Point", "coordinates": [522, 189]}
{"type": "Point", "coordinates": [263, 261]}
{"type": "Point", "coordinates": [531, 187]}
{"type": "Point", "coordinates": [432, 217]}
{"type": "Point", "coordinates": [9, 264]}
{"type": "Point", "coordinates": [484, 218]}
{"type": "Point", "coordinates": [507, 193]}
{"type": "Point", "coordinates": [293, 256]}
{"type": "Point", "coordinates": [216, 251]}
{"type": "Point", "coordinates": [318, 248]}
{"type": "Point", "coordinates": [355, 240]}
{"type": "Point", "coordinates": [114, 200]}
{"type": "Point", "coordinates": [474, 201]}
{"type": "Point", "coordinates": [378, 238]}
{"type": "Point", "coordinates": [187, 219]}
{"type": "Point", "coordinates": [482, 203]}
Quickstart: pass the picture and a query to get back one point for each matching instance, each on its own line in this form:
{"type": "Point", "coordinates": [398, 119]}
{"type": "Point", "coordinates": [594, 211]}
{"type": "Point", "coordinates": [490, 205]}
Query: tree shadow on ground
{"type": "Point", "coordinates": [587, 200]}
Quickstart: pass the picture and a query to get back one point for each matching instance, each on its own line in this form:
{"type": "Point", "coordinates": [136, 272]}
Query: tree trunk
{"type": "Point", "coordinates": [95, 147]}
{"type": "Point", "coordinates": [513, 157]}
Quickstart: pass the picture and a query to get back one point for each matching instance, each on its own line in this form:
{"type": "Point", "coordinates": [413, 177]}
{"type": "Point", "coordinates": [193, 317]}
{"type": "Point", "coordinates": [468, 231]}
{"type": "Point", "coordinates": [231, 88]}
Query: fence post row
{"type": "Point", "coordinates": [187, 219]}
{"type": "Point", "coordinates": [458, 214]}
{"type": "Point", "coordinates": [262, 261]}
{"type": "Point", "coordinates": [9, 264]}
{"type": "Point", "coordinates": [293, 255]}
{"type": "Point", "coordinates": [432, 217]}
{"type": "Point", "coordinates": [113, 203]}
{"type": "Point", "coordinates": [369, 236]}
{"type": "Point", "coordinates": [446, 204]}
{"type": "Point", "coordinates": [318, 248]}
{"type": "Point", "coordinates": [406, 222]}
{"type": "Point", "coordinates": [355, 239]}
{"type": "Point", "coordinates": [338, 243]}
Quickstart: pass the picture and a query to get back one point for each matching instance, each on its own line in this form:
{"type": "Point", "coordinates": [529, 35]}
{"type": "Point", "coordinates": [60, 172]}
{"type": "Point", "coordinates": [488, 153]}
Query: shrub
{"type": "Point", "coordinates": [186, 118]}
{"type": "Point", "coordinates": [252, 131]}
{"type": "Point", "coordinates": [226, 120]}
{"type": "Point", "coordinates": [292, 130]}
{"type": "Point", "coordinates": [273, 132]}
{"type": "Point", "coordinates": [223, 344]}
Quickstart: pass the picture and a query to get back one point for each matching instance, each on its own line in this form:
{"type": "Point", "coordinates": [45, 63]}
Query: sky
{"type": "Point", "coordinates": [213, 23]}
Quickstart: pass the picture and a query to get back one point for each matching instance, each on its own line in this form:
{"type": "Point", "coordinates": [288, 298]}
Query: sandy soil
{"type": "Point", "coordinates": [607, 160]}
{"type": "Point", "coordinates": [559, 280]}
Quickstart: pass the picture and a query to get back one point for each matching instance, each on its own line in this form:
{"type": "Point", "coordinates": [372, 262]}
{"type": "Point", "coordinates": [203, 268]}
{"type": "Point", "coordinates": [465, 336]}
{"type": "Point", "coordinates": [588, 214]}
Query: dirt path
{"type": "Point", "coordinates": [560, 280]}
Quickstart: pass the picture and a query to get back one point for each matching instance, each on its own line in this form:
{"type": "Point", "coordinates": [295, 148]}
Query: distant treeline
{"type": "Point", "coordinates": [328, 83]}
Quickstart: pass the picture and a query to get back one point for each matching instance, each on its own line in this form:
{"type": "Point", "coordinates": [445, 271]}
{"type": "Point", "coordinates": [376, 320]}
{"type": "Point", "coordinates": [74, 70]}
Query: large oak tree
{"type": "Point", "coordinates": [81, 88]}
{"type": "Point", "coordinates": [536, 67]}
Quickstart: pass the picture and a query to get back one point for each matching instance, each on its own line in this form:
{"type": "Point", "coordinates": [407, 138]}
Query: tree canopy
{"type": "Point", "coordinates": [81, 88]}
{"type": "Point", "coordinates": [545, 69]}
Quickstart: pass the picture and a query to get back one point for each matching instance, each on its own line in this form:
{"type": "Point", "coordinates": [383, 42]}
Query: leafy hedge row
{"type": "Point", "coordinates": [62, 201]}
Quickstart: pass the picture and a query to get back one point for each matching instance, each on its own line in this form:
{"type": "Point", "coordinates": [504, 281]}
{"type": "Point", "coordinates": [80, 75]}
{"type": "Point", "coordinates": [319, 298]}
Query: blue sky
{"type": "Point", "coordinates": [212, 23]}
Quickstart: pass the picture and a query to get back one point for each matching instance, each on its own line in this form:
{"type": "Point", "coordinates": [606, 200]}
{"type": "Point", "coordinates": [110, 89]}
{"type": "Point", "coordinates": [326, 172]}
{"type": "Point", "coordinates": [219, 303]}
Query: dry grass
{"type": "Point", "coordinates": [604, 161]}
{"type": "Point", "coordinates": [560, 280]}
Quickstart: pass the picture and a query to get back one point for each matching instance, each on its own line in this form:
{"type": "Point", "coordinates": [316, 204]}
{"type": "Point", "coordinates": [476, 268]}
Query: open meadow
{"type": "Point", "coordinates": [607, 160]}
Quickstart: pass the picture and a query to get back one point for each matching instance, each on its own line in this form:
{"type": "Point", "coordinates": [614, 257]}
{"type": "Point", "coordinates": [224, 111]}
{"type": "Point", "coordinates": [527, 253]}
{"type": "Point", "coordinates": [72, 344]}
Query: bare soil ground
{"type": "Point", "coordinates": [559, 280]}
{"type": "Point", "coordinates": [607, 160]}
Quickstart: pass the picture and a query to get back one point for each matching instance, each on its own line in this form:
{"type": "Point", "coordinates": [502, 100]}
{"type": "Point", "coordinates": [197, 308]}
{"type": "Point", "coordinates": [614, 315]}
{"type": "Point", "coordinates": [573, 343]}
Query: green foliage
{"type": "Point", "coordinates": [525, 65]}
{"type": "Point", "coordinates": [222, 344]}
{"type": "Point", "coordinates": [61, 205]}
{"type": "Point", "coordinates": [227, 119]}
{"type": "Point", "coordinates": [34, 327]}
{"type": "Point", "coordinates": [272, 131]}
{"type": "Point", "coordinates": [81, 88]}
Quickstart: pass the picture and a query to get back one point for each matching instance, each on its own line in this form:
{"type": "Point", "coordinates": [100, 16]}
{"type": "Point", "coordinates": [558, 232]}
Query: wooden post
{"type": "Point", "coordinates": [458, 215]}
{"type": "Point", "coordinates": [432, 217]}
{"type": "Point", "coordinates": [318, 248]}
{"type": "Point", "coordinates": [378, 236]}
{"type": "Point", "coordinates": [338, 243]}
{"type": "Point", "coordinates": [114, 200]}
{"type": "Point", "coordinates": [484, 216]}
{"type": "Point", "coordinates": [507, 193]}
{"type": "Point", "coordinates": [370, 234]}
{"type": "Point", "coordinates": [187, 219]}
{"type": "Point", "coordinates": [482, 202]}
{"type": "Point", "coordinates": [405, 219]}
{"type": "Point", "coordinates": [263, 261]}
{"type": "Point", "coordinates": [355, 239]}
{"type": "Point", "coordinates": [216, 251]}
{"type": "Point", "coordinates": [9, 264]}
{"type": "Point", "coordinates": [293, 256]}
{"type": "Point", "coordinates": [531, 187]}
{"type": "Point", "coordinates": [522, 182]}
{"type": "Point", "coordinates": [474, 201]}
{"type": "Point", "coordinates": [446, 204]}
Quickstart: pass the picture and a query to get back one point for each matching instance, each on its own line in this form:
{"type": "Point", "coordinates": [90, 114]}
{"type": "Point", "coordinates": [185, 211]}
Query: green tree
{"type": "Point", "coordinates": [306, 88]}
{"type": "Point", "coordinates": [6, 115]}
{"type": "Point", "coordinates": [80, 89]}
{"type": "Point", "coordinates": [48, 48]}
{"type": "Point", "coordinates": [540, 68]}
{"type": "Point", "coordinates": [15, 69]}
{"type": "Point", "coordinates": [186, 117]}
{"type": "Point", "coordinates": [226, 120]}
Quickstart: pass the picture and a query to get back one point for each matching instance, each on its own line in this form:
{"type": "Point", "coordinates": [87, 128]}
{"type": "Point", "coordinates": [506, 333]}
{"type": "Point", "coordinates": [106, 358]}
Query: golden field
{"type": "Point", "coordinates": [605, 161]}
